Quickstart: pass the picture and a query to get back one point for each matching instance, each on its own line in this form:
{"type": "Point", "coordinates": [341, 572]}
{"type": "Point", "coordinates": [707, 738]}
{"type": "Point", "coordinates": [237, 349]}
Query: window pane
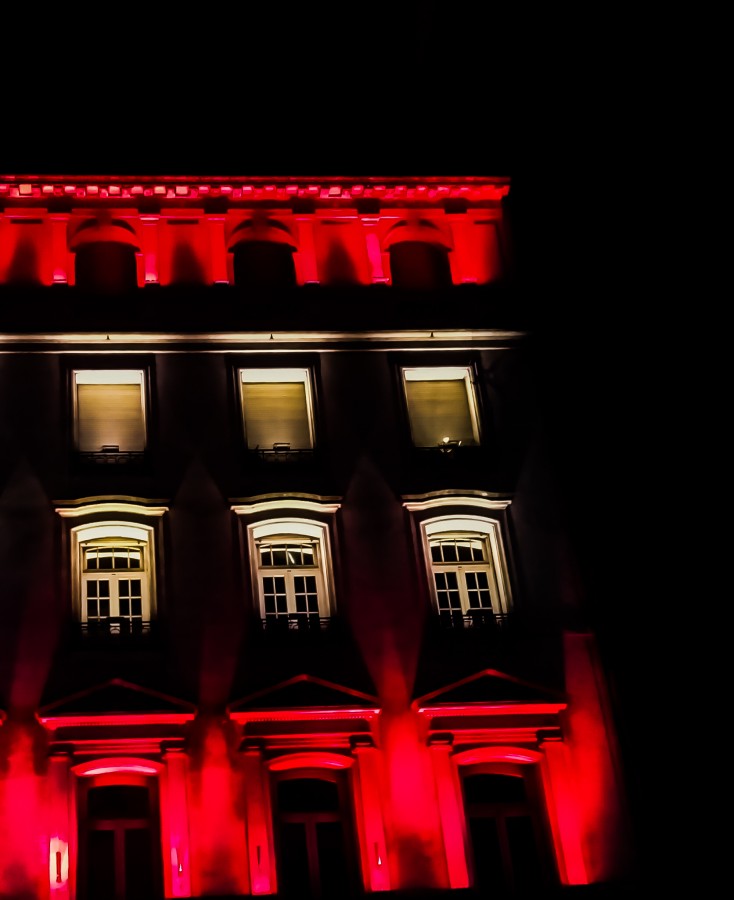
{"type": "Point", "coordinates": [274, 596]}
{"type": "Point", "coordinates": [110, 415]}
{"type": "Point", "coordinates": [447, 591]}
{"type": "Point", "coordinates": [439, 410]}
{"type": "Point", "coordinates": [276, 413]}
{"type": "Point", "coordinates": [477, 586]}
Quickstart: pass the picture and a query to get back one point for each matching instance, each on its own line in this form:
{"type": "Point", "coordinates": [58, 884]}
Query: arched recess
{"type": "Point", "coordinates": [419, 255]}
{"type": "Point", "coordinates": [511, 840]}
{"type": "Point", "coordinates": [105, 255]}
{"type": "Point", "coordinates": [315, 829]}
{"type": "Point", "coordinates": [119, 836]}
{"type": "Point", "coordinates": [262, 254]}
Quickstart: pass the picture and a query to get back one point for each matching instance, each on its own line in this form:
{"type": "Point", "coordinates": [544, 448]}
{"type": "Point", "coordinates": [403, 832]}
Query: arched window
{"type": "Point", "coordinates": [509, 843]}
{"type": "Point", "coordinates": [467, 571]}
{"type": "Point", "coordinates": [315, 846]}
{"type": "Point", "coordinates": [113, 580]}
{"type": "Point", "coordinates": [289, 541]}
{"type": "Point", "coordinates": [466, 557]}
{"type": "Point", "coordinates": [292, 565]}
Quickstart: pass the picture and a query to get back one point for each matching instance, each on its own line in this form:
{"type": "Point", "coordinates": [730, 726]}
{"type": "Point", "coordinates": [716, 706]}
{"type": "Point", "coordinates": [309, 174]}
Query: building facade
{"type": "Point", "coordinates": [287, 606]}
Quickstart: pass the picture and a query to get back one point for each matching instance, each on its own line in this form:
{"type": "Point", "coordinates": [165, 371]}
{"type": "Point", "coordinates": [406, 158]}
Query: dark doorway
{"type": "Point", "coordinates": [314, 840]}
{"type": "Point", "coordinates": [119, 843]}
{"type": "Point", "coordinates": [508, 845]}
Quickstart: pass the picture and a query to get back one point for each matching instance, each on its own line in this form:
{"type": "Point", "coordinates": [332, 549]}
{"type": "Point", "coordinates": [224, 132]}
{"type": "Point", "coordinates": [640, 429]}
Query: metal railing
{"type": "Point", "coordinates": [298, 622]}
{"type": "Point", "coordinates": [471, 618]}
{"type": "Point", "coordinates": [111, 457]}
{"type": "Point", "coordinates": [115, 627]}
{"type": "Point", "coordinates": [284, 454]}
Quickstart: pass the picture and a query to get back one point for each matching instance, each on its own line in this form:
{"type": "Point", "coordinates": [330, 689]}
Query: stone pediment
{"type": "Point", "coordinates": [305, 692]}
{"type": "Point", "coordinates": [488, 686]}
{"type": "Point", "coordinates": [116, 697]}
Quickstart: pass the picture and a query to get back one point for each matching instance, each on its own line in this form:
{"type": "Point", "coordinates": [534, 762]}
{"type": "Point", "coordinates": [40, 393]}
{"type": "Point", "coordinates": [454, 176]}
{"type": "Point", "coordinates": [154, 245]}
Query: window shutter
{"type": "Point", "coordinates": [439, 409]}
{"type": "Point", "coordinates": [110, 414]}
{"type": "Point", "coordinates": [276, 413]}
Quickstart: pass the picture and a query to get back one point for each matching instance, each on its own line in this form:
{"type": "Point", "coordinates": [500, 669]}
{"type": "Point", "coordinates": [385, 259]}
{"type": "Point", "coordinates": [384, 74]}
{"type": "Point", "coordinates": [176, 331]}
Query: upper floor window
{"type": "Point", "coordinates": [468, 571]}
{"type": "Point", "coordinates": [109, 411]}
{"type": "Point", "coordinates": [277, 408]}
{"type": "Point", "coordinates": [292, 586]}
{"type": "Point", "coordinates": [113, 577]}
{"type": "Point", "coordinates": [442, 406]}
{"type": "Point", "coordinates": [290, 561]}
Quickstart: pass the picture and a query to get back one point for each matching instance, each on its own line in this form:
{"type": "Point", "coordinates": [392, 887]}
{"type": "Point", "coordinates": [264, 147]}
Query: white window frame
{"type": "Point", "coordinates": [496, 565]}
{"type": "Point", "coordinates": [298, 530]}
{"type": "Point", "coordinates": [108, 376]}
{"type": "Point", "coordinates": [113, 533]}
{"type": "Point", "coordinates": [295, 375]}
{"type": "Point", "coordinates": [444, 373]}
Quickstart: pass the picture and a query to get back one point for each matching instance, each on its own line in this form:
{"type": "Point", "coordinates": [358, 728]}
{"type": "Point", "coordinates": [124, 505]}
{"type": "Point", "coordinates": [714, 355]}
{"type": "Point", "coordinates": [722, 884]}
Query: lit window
{"type": "Point", "coordinates": [441, 406]}
{"type": "Point", "coordinates": [277, 409]}
{"type": "Point", "coordinates": [292, 570]}
{"type": "Point", "coordinates": [113, 577]}
{"type": "Point", "coordinates": [467, 569]}
{"type": "Point", "coordinates": [109, 411]}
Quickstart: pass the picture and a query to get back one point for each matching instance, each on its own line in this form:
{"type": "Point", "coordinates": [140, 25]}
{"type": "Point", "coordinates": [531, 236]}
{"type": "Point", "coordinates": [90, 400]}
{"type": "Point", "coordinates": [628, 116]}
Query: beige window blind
{"type": "Point", "coordinates": [276, 413]}
{"type": "Point", "coordinates": [110, 414]}
{"type": "Point", "coordinates": [440, 410]}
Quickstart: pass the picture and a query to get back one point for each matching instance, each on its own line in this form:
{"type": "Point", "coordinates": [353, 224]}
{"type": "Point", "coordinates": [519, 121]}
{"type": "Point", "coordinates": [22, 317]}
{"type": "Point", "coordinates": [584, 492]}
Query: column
{"type": "Point", "coordinates": [177, 822]}
{"type": "Point", "coordinates": [367, 792]}
{"type": "Point", "coordinates": [60, 827]}
{"type": "Point", "coordinates": [451, 810]}
{"type": "Point", "coordinates": [59, 249]}
{"type": "Point", "coordinates": [374, 253]}
{"type": "Point", "coordinates": [149, 247]}
{"type": "Point", "coordinates": [305, 259]}
{"type": "Point", "coordinates": [563, 808]}
{"type": "Point", "coordinates": [257, 818]}
{"type": "Point", "coordinates": [217, 250]}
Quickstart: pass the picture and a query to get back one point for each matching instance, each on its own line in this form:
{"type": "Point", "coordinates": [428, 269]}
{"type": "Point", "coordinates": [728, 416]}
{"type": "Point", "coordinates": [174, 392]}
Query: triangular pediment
{"type": "Point", "coordinates": [489, 686]}
{"type": "Point", "coordinates": [305, 692]}
{"type": "Point", "coordinates": [116, 697]}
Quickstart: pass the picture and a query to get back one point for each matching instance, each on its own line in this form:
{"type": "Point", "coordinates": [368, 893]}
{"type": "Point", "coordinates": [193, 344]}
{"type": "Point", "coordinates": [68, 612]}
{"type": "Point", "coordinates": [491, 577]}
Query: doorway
{"type": "Point", "coordinates": [119, 842]}
{"type": "Point", "coordinates": [314, 839]}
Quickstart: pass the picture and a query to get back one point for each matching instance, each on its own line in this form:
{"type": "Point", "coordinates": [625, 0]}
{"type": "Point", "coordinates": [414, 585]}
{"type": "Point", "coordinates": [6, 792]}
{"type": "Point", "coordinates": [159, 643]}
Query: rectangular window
{"type": "Point", "coordinates": [277, 409]}
{"type": "Point", "coordinates": [109, 410]}
{"type": "Point", "coordinates": [441, 406]}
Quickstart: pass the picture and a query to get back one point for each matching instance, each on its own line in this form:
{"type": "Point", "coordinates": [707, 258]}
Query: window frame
{"type": "Point", "coordinates": [259, 374]}
{"type": "Point", "coordinates": [278, 530]}
{"type": "Point", "coordinates": [441, 513]}
{"type": "Point", "coordinates": [124, 533]}
{"type": "Point", "coordinates": [465, 372]}
{"type": "Point", "coordinates": [107, 364]}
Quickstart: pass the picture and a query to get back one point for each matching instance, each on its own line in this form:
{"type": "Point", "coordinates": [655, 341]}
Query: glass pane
{"type": "Point", "coordinates": [294, 872]}
{"type": "Point", "coordinates": [439, 410]}
{"type": "Point", "coordinates": [141, 881]}
{"type": "Point", "coordinates": [489, 874]}
{"type": "Point", "coordinates": [447, 591]}
{"type": "Point", "coordinates": [477, 585]}
{"type": "Point", "coordinates": [335, 882]}
{"type": "Point", "coordinates": [100, 864]}
{"type": "Point", "coordinates": [526, 862]}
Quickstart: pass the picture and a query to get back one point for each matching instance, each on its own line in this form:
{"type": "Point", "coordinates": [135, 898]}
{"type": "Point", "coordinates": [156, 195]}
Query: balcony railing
{"type": "Point", "coordinates": [115, 628]}
{"type": "Point", "coordinates": [295, 622]}
{"type": "Point", "coordinates": [472, 618]}
{"type": "Point", "coordinates": [282, 453]}
{"type": "Point", "coordinates": [111, 458]}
